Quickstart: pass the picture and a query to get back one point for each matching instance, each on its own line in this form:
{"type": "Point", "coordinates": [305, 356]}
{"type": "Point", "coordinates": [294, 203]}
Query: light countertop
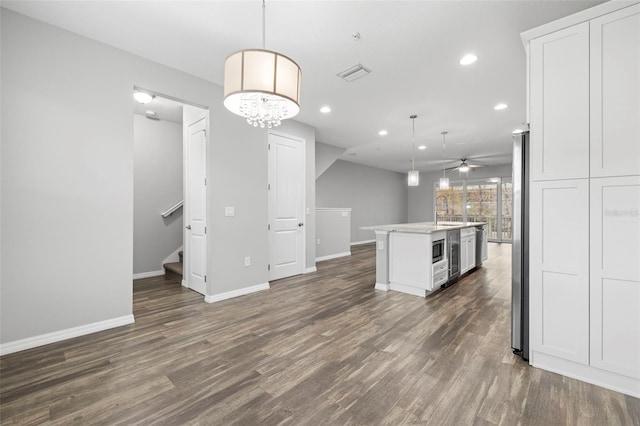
{"type": "Point", "coordinates": [422, 227]}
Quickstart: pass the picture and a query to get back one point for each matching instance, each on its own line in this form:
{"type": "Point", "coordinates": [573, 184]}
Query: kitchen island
{"type": "Point", "coordinates": [416, 258]}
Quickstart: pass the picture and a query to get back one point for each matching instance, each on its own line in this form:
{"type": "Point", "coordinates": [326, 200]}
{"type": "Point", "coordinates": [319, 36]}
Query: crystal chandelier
{"type": "Point", "coordinates": [444, 180]}
{"type": "Point", "coordinates": [413, 178]}
{"type": "Point", "coordinates": [261, 85]}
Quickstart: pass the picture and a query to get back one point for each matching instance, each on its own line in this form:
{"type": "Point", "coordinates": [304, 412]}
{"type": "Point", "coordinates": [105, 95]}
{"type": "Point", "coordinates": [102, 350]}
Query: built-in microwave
{"type": "Point", "coordinates": [437, 250]}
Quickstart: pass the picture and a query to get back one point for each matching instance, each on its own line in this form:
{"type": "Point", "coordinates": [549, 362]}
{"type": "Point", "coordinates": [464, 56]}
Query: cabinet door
{"type": "Point", "coordinates": [615, 93]}
{"type": "Point", "coordinates": [559, 79]}
{"type": "Point", "coordinates": [468, 254]}
{"type": "Point", "coordinates": [615, 275]}
{"type": "Point", "coordinates": [463, 255]}
{"type": "Point", "coordinates": [559, 269]}
{"type": "Point", "coordinates": [472, 252]}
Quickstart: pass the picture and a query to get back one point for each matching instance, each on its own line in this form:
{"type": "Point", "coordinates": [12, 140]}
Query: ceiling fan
{"type": "Point", "coordinates": [464, 166]}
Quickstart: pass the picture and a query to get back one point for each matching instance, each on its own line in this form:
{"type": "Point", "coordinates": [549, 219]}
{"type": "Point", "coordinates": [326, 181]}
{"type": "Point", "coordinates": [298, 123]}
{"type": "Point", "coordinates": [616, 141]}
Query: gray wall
{"type": "Point", "coordinates": [333, 232]}
{"type": "Point", "coordinates": [421, 197]}
{"type": "Point", "coordinates": [67, 176]}
{"type": "Point", "coordinates": [375, 196]}
{"type": "Point", "coordinates": [157, 185]}
{"type": "Point", "coordinates": [326, 155]}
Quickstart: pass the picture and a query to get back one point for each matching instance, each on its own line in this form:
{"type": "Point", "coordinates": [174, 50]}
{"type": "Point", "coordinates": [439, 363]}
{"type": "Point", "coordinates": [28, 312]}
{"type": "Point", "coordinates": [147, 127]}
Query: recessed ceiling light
{"type": "Point", "coordinates": [468, 59]}
{"type": "Point", "coordinates": [422, 147]}
{"type": "Point", "coordinates": [500, 107]}
{"type": "Point", "coordinates": [142, 97]}
{"type": "Point", "coordinates": [383, 133]}
{"type": "Point", "coordinates": [516, 131]}
{"type": "Point", "coordinates": [325, 110]}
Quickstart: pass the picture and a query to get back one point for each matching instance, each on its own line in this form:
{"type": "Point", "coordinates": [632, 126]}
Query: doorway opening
{"type": "Point", "coordinates": [169, 190]}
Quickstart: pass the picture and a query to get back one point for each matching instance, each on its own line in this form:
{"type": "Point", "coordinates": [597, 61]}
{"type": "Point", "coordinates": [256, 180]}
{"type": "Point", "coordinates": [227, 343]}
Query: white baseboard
{"type": "Point", "coordinates": [310, 270]}
{"type": "Point", "coordinates": [383, 287]}
{"type": "Point", "coordinates": [408, 289]}
{"type": "Point", "coordinates": [333, 256]}
{"type": "Point", "coordinates": [148, 274]}
{"type": "Point", "coordinates": [58, 336]}
{"type": "Point", "coordinates": [586, 373]}
{"type": "Point", "coordinates": [173, 257]}
{"type": "Point", "coordinates": [357, 243]}
{"type": "Point", "coordinates": [235, 293]}
{"type": "Point", "coordinates": [184, 284]}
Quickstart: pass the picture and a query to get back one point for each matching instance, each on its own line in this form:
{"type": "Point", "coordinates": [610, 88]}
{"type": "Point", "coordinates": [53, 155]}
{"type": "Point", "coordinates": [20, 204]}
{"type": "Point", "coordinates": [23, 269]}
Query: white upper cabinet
{"type": "Point", "coordinates": [559, 79]}
{"type": "Point", "coordinates": [615, 93]}
{"type": "Point", "coordinates": [615, 275]}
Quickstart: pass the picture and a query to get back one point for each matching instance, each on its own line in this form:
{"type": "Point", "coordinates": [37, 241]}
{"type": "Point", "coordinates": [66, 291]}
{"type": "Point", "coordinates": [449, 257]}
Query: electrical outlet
{"type": "Point", "coordinates": [229, 211]}
{"type": "Point", "coordinates": [318, 241]}
{"type": "Point", "coordinates": [247, 261]}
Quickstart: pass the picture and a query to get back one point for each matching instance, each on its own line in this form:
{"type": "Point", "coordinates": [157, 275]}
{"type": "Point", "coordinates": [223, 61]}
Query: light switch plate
{"type": "Point", "coordinates": [247, 261]}
{"type": "Point", "coordinates": [229, 211]}
{"type": "Point", "coordinates": [380, 245]}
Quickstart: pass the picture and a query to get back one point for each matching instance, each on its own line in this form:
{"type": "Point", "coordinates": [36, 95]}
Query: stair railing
{"type": "Point", "coordinates": [172, 209]}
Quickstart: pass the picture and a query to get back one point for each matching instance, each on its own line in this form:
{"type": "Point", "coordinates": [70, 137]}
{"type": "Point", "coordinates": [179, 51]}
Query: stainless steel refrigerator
{"type": "Point", "coordinates": [520, 247]}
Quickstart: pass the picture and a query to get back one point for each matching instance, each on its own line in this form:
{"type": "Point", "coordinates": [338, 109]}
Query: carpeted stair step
{"type": "Point", "coordinates": [173, 270]}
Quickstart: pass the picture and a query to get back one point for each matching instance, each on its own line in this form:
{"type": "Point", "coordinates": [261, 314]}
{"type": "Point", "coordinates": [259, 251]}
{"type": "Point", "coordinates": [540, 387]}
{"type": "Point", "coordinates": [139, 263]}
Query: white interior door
{"type": "Point", "coordinates": [286, 206]}
{"type": "Point", "coordinates": [195, 268]}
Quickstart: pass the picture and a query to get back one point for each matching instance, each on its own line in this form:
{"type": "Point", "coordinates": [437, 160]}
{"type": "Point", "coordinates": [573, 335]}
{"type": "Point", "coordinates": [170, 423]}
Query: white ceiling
{"type": "Point", "coordinates": [165, 109]}
{"type": "Point", "coordinates": [412, 47]}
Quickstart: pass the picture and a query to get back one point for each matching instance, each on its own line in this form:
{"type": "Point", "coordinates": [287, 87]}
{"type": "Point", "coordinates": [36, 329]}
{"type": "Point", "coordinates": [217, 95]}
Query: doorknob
{"type": "Point", "coordinates": [188, 226]}
{"type": "Point", "coordinates": [300, 224]}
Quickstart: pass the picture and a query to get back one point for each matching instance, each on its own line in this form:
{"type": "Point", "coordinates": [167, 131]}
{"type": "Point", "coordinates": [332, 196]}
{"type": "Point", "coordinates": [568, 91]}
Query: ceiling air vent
{"type": "Point", "coordinates": [354, 73]}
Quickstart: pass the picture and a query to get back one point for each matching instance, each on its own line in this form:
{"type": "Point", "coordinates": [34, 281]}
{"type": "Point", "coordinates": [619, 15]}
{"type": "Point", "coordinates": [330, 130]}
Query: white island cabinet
{"type": "Point", "coordinates": [411, 269]}
{"type": "Point", "coordinates": [584, 111]}
{"type": "Point", "coordinates": [405, 260]}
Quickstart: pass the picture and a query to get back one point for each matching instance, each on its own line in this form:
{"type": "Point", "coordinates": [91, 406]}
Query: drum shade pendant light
{"type": "Point", "coordinates": [261, 85]}
{"type": "Point", "coordinates": [444, 180]}
{"type": "Point", "coordinates": [413, 178]}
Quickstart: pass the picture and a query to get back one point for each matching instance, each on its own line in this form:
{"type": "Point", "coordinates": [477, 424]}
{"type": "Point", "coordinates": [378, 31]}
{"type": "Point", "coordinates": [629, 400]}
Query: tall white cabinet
{"type": "Point", "coordinates": [584, 113]}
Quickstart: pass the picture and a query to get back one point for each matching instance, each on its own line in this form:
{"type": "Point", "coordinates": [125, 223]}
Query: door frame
{"type": "Point", "coordinates": [303, 144]}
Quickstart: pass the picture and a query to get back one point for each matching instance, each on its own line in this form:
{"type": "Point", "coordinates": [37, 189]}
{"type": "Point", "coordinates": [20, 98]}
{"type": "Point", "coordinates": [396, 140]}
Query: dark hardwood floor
{"type": "Point", "coordinates": [317, 349]}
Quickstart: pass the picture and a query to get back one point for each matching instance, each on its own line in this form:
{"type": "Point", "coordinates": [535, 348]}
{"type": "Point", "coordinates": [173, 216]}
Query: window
{"type": "Point", "coordinates": [487, 200]}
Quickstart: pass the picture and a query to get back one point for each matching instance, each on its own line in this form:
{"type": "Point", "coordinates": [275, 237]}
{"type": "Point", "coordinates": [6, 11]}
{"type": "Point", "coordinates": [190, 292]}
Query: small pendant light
{"type": "Point", "coordinates": [444, 180]}
{"type": "Point", "coordinates": [413, 178]}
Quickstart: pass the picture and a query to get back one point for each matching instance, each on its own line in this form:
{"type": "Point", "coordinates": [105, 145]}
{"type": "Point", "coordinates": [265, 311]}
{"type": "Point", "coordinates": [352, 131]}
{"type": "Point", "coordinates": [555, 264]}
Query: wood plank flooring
{"type": "Point", "coordinates": [317, 349]}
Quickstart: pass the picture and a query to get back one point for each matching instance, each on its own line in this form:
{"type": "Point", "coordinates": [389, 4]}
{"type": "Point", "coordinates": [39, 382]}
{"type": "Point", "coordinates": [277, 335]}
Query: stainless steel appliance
{"type": "Point", "coordinates": [437, 251]}
{"type": "Point", "coordinates": [520, 247]}
{"type": "Point", "coordinates": [453, 248]}
{"type": "Point", "coordinates": [481, 244]}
